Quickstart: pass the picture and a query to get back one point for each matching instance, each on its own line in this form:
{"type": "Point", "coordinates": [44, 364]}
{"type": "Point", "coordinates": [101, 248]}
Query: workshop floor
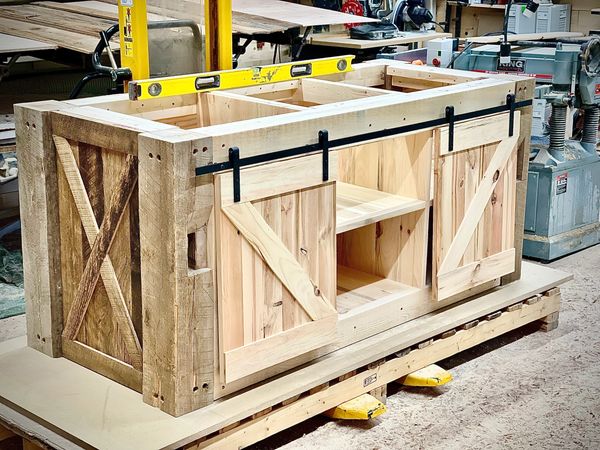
{"type": "Point", "coordinates": [525, 389]}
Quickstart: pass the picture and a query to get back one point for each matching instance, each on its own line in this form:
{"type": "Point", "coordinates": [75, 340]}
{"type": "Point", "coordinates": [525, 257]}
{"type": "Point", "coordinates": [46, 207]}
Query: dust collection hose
{"type": "Point", "coordinates": [590, 125]}
{"type": "Point", "coordinates": [558, 126]}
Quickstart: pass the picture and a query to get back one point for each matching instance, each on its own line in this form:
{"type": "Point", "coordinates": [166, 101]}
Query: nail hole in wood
{"type": "Point", "coordinates": [204, 149]}
{"type": "Point", "coordinates": [205, 386]}
{"type": "Point", "coordinates": [158, 157]}
{"type": "Point", "coordinates": [150, 155]}
{"type": "Point", "coordinates": [195, 388]}
{"type": "Point", "coordinates": [496, 175]}
{"type": "Point", "coordinates": [194, 151]}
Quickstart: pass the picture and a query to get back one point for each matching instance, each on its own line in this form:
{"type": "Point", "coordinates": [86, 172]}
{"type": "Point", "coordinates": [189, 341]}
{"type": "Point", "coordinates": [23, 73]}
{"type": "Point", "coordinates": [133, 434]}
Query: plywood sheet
{"type": "Point", "coordinates": [14, 44]}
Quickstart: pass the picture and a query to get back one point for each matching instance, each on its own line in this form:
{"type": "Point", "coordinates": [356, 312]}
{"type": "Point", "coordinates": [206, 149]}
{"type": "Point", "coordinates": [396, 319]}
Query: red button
{"type": "Point", "coordinates": [436, 62]}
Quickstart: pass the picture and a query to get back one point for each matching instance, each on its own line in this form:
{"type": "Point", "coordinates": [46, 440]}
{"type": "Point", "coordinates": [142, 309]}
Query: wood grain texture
{"type": "Point", "coordinates": [178, 302]}
{"type": "Point", "coordinates": [262, 238]}
{"type": "Point", "coordinates": [101, 246]}
{"type": "Point", "coordinates": [259, 297]}
{"type": "Point", "coordinates": [474, 211]}
{"type": "Point", "coordinates": [61, 20]}
{"type": "Point", "coordinates": [396, 247]}
{"type": "Point", "coordinates": [277, 348]}
{"type": "Point", "coordinates": [106, 269]}
{"type": "Point", "coordinates": [62, 38]}
{"type": "Point", "coordinates": [357, 206]}
{"type": "Point", "coordinates": [474, 230]}
{"type": "Point", "coordinates": [40, 230]}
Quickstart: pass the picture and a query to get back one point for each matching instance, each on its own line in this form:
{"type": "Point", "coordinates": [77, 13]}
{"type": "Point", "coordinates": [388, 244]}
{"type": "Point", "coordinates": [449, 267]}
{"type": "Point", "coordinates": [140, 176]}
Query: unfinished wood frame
{"type": "Point", "coordinates": [177, 291]}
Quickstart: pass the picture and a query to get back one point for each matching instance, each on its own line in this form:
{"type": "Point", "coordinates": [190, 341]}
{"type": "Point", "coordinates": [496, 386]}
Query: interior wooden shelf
{"type": "Point", "coordinates": [356, 289]}
{"type": "Point", "coordinates": [358, 206]}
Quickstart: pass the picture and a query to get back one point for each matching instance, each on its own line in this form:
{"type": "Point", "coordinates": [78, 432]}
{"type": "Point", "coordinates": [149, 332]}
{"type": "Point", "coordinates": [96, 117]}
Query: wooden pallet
{"type": "Point", "coordinates": [543, 308]}
{"type": "Point", "coordinates": [263, 410]}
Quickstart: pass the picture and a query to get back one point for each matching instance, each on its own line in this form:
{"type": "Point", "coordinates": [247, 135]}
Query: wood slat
{"type": "Point", "coordinates": [61, 20]}
{"type": "Point", "coordinates": [280, 347]}
{"type": "Point", "coordinates": [63, 38]}
{"type": "Point", "coordinates": [262, 238]}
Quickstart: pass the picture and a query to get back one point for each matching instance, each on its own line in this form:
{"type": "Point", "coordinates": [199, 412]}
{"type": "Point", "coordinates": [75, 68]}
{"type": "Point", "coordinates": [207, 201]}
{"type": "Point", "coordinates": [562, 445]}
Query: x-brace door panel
{"type": "Point", "coordinates": [99, 265]}
{"type": "Point", "coordinates": [275, 267]}
{"type": "Point", "coordinates": [474, 205]}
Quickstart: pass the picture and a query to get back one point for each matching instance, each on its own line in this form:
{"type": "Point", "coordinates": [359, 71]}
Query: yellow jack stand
{"type": "Point", "coordinates": [431, 375]}
{"type": "Point", "coordinates": [363, 407]}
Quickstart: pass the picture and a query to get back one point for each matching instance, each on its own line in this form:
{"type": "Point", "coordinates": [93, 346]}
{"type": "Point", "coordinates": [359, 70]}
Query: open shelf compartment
{"type": "Point", "coordinates": [357, 206]}
{"type": "Point", "coordinates": [357, 289]}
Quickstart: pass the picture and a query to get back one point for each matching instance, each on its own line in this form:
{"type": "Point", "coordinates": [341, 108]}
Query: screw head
{"type": "Point", "coordinates": [154, 89]}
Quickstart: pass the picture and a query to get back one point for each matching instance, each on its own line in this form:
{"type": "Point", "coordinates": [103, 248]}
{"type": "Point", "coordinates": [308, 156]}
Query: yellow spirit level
{"type": "Point", "coordinates": [238, 78]}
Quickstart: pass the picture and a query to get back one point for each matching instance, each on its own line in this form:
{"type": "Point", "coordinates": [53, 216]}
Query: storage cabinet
{"type": "Point", "coordinates": [189, 287]}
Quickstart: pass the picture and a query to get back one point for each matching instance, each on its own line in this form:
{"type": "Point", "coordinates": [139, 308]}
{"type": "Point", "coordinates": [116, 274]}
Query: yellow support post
{"type": "Point", "coordinates": [133, 36]}
{"type": "Point", "coordinates": [218, 35]}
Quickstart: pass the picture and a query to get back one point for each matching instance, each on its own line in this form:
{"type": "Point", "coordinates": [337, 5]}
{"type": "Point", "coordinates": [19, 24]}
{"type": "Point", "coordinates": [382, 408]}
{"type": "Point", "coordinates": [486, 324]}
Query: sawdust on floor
{"type": "Point", "coordinates": [526, 389]}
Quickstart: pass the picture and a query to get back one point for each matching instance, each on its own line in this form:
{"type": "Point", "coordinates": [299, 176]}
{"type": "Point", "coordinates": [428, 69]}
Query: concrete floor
{"type": "Point", "coordinates": [526, 389]}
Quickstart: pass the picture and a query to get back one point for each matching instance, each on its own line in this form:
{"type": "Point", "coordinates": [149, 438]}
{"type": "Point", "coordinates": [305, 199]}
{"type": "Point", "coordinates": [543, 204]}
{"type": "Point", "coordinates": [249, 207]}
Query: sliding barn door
{"type": "Point", "coordinates": [275, 265]}
{"type": "Point", "coordinates": [474, 205]}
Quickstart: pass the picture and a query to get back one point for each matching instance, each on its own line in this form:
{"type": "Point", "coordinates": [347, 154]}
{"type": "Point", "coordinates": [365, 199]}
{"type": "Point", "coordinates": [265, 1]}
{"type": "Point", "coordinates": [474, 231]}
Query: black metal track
{"type": "Point", "coordinates": [510, 106]}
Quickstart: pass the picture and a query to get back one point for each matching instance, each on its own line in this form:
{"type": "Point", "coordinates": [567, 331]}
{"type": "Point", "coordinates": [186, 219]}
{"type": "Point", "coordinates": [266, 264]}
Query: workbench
{"type": "Point", "coordinates": [75, 26]}
{"type": "Point", "coordinates": [343, 40]}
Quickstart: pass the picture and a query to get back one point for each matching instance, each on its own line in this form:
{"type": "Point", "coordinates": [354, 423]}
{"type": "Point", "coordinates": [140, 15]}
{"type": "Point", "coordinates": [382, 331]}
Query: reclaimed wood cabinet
{"type": "Point", "coordinates": [191, 246]}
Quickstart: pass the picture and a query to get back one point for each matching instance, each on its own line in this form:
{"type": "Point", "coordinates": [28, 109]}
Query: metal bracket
{"type": "Point", "coordinates": [324, 143]}
{"type": "Point", "coordinates": [234, 160]}
{"type": "Point", "coordinates": [451, 119]}
{"type": "Point", "coordinates": [510, 102]}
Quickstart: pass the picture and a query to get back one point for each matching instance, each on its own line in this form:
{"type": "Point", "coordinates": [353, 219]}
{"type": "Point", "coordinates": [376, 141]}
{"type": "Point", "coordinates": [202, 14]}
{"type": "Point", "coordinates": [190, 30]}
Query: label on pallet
{"type": "Point", "coordinates": [126, 2]}
{"type": "Point", "coordinates": [561, 183]}
{"type": "Point", "coordinates": [370, 380]}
